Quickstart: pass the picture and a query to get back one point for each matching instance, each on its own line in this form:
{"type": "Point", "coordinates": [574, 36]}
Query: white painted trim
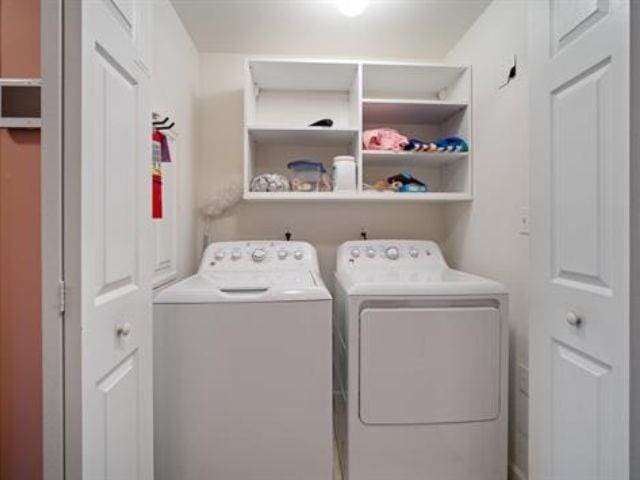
{"type": "Point", "coordinates": [51, 241]}
{"type": "Point", "coordinates": [634, 463]}
{"type": "Point", "coordinates": [515, 473]}
{"type": "Point", "coordinates": [72, 246]}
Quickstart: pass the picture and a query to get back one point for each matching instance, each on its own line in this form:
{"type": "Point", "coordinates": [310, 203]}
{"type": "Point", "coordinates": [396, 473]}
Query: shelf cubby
{"type": "Point", "coordinates": [409, 111]}
{"type": "Point", "coordinates": [294, 93]}
{"type": "Point", "coordinates": [415, 81]}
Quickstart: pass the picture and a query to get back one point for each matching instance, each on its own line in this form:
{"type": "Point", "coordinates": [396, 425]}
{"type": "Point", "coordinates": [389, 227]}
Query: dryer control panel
{"type": "Point", "coordinates": [386, 253]}
{"type": "Point", "coordinates": [259, 255]}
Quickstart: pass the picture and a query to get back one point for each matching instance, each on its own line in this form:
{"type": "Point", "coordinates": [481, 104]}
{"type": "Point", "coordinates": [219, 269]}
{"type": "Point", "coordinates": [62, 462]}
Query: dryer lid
{"type": "Point", "coordinates": [246, 286]}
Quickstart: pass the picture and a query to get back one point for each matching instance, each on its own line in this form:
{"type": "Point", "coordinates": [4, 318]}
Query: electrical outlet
{"type": "Point", "coordinates": [523, 379]}
{"type": "Point", "coordinates": [523, 227]}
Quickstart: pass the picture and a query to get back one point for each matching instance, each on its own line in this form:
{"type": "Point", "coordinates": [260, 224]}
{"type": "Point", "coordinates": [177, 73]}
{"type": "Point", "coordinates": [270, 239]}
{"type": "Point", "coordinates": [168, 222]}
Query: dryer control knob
{"type": "Point", "coordinates": [413, 252]}
{"type": "Point", "coordinates": [258, 255]}
{"type": "Point", "coordinates": [355, 252]}
{"type": "Point", "coordinates": [219, 255]}
{"type": "Point", "coordinates": [282, 254]}
{"type": "Point", "coordinates": [298, 254]}
{"type": "Point", "coordinates": [392, 253]}
{"type": "Point", "coordinates": [236, 255]}
{"type": "Point", "coordinates": [371, 252]}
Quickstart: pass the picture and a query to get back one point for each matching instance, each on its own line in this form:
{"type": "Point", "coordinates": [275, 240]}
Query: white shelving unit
{"type": "Point", "coordinates": [421, 100]}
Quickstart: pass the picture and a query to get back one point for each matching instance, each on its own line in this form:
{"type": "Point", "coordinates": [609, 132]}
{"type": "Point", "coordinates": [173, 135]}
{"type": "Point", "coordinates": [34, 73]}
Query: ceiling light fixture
{"type": "Point", "coordinates": [352, 8]}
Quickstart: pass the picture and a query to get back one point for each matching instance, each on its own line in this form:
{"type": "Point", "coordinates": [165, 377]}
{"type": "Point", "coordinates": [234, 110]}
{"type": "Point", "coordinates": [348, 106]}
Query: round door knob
{"type": "Point", "coordinates": [123, 329]}
{"type": "Point", "coordinates": [573, 319]}
{"type": "Point", "coordinates": [392, 253]}
{"type": "Point", "coordinates": [282, 254]}
{"type": "Point", "coordinates": [219, 256]}
{"type": "Point", "coordinates": [259, 255]}
{"type": "Point", "coordinates": [355, 252]}
{"type": "Point", "coordinates": [298, 254]}
{"type": "Point", "coordinates": [236, 255]}
{"type": "Point", "coordinates": [413, 253]}
{"type": "Point", "coordinates": [371, 252]}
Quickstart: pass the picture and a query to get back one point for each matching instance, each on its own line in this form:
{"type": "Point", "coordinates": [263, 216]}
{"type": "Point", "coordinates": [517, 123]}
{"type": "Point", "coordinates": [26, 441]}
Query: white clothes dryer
{"type": "Point", "coordinates": [421, 360]}
{"type": "Point", "coordinates": [243, 367]}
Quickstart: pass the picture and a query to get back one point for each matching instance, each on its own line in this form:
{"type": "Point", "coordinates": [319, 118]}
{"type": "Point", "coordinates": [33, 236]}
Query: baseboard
{"type": "Point", "coordinates": [515, 473]}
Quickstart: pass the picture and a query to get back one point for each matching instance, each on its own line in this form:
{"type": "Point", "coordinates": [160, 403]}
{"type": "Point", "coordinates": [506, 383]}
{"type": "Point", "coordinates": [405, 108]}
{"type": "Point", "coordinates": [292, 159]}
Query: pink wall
{"type": "Point", "coordinates": [20, 333]}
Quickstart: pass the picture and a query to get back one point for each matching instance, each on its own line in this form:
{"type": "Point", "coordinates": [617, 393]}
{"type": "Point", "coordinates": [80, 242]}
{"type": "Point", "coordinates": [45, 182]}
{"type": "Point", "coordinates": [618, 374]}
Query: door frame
{"type": "Point", "coordinates": [52, 273]}
{"type": "Point", "coordinates": [61, 223]}
{"type": "Point", "coordinates": [61, 27]}
{"type": "Point", "coordinates": [634, 320]}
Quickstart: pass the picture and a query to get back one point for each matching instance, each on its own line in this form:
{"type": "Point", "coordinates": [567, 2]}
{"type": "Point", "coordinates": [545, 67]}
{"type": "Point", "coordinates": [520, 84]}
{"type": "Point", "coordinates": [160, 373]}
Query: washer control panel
{"type": "Point", "coordinates": [252, 255]}
{"type": "Point", "coordinates": [386, 253]}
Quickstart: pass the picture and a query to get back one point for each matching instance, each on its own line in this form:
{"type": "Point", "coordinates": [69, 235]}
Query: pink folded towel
{"type": "Point", "coordinates": [384, 139]}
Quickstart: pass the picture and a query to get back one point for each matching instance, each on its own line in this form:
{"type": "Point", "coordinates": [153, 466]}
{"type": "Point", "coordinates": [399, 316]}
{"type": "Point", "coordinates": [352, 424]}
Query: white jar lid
{"type": "Point", "coordinates": [344, 158]}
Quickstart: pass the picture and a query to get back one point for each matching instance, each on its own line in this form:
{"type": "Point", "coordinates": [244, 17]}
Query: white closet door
{"type": "Point", "coordinates": [116, 246]}
{"type": "Point", "coordinates": [579, 424]}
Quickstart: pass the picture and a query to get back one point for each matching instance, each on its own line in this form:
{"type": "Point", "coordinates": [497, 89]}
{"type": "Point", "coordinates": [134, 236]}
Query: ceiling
{"type": "Point", "coordinates": [388, 28]}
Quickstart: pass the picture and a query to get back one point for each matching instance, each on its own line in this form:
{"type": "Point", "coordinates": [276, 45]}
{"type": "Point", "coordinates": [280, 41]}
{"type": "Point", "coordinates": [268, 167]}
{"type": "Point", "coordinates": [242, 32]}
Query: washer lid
{"type": "Point", "coordinates": [415, 281]}
{"type": "Point", "coordinates": [245, 286]}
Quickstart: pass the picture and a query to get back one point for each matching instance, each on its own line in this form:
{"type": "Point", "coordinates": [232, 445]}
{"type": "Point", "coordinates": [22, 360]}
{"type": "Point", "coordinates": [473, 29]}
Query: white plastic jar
{"type": "Point", "coordinates": [344, 173]}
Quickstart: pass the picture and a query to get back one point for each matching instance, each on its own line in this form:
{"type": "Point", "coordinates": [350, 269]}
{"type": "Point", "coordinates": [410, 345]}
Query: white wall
{"type": "Point", "coordinates": [483, 237]}
{"type": "Point", "coordinates": [326, 225]}
{"type": "Point", "coordinates": [174, 91]}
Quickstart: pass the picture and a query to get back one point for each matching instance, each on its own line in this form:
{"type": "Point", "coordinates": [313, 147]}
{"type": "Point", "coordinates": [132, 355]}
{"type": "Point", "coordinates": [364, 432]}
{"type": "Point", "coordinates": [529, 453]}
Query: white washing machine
{"type": "Point", "coordinates": [421, 359]}
{"type": "Point", "coordinates": [242, 367]}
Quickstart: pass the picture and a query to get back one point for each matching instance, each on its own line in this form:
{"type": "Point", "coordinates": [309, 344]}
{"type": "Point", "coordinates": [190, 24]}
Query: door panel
{"type": "Point", "coordinates": [116, 209]}
{"type": "Point", "coordinates": [579, 386]}
{"type": "Point", "coordinates": [579, 353]}
{"type": "Point", "coordinates": [119, 390]}
{"type": "Point", "coordinates": [571, 18]}
{"type": "Point", "coordinates": [580, 138]}
{"type": "Point", "coordinates": [134, 19]}
{"type": "Point", "coordinates": [123, 11]}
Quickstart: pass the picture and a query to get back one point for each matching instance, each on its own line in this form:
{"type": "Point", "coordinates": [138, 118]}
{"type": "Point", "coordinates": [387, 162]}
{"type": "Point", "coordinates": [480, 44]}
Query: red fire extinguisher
{"type": "Point", "coordinates": [156, 177]}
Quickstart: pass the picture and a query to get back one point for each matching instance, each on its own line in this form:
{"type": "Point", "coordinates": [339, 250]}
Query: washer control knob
{"type": "Point", "coordinates": [236, 255]}
{"type": "Point", "coordinates": [298, 254]}
{"type": "Point", "coordinates": [282, 254]}
{"type": "Point", "coordinates": [219, 255]}
{"type": "Point", "coordinates": [355, 252]}
{"type": "Point", "coordinates": [259, 255]}
{"type": "Point", "coordinates": [392, 253]}
{"type": "Point", "coordinates": [413, 252]}
{"type": "Point", "coordinates": [371, 252]}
